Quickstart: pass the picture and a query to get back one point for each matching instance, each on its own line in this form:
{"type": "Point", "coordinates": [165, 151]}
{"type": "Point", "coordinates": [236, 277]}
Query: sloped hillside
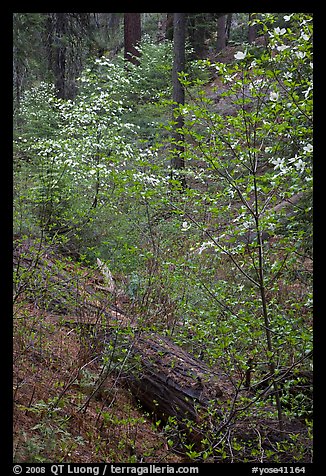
{"type": "Point", "coordinates": [57, 414]}
{"type": "Point", "coordinates": [71, 405]}
{"type": "Point", "coordinates": [163, 250]}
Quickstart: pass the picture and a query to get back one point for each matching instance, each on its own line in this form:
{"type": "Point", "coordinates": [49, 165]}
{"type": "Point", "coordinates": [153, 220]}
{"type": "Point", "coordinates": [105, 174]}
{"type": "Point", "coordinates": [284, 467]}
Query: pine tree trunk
{"type": "Point", "coordinates": [132, 37]}
{"type": "Point", "coordinates": [251, 30]}
{"type": "Point", "coordinates": [178, 96]}
{"type": "Point", "coordinates": [221, 33]}
{"type": "Point", "coordinates": [60, 55]}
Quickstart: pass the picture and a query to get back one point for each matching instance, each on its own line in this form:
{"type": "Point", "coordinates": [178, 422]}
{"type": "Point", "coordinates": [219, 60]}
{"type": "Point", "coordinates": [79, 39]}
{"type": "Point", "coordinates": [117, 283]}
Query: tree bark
{"type": "Point", "coordinates": [169, 26]}
{"type": "Point", "coordinates": [60, 54]}
{"type": "Point", "coordinates": [178, 95]}
{"type": "Point", "coordinates": [221, 33]}
{"type": "Point", "coordinates": [251, 30]}
{"type": "Point", "coordinates": [132, 37]}
{"type": "Point", "coordinates": [167, 380]}
{"type": "Point", "coordinates": [228, 27]}
{"type": "Point", "coordinates": [196, 29]}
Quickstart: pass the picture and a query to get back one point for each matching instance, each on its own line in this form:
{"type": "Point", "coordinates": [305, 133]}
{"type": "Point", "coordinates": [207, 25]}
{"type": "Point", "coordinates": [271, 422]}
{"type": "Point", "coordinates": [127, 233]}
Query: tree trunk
{"type": "Point", "coordinates": [251, 30]}
{"type": "Point", "coordinates": [228, 27]}
{"type": "Point", "coordinates": [132, 37]}
{"type": "Point", "coordinates": [60, 54]}
{"type": "Point", "coordinates": [178, 95]}
{"type": "Point", "coordinates": [196, 28]}
{"type": "Point", "coordinates": [169, 26]}
{"type": "Point", "coordinates": [19, 71]}
{"type": "Point", "coordinates": [221, 33]}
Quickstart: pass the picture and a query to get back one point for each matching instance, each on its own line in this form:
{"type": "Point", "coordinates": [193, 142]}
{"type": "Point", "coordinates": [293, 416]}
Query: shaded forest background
{"type": "Point", "coordinates": [163, 203]}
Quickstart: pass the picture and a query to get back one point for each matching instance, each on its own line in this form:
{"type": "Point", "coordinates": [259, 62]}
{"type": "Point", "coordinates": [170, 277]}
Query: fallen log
{"type": "Point", "coordinates": [167, 380]}
{"type": "Point", "coordinates": [57, 284]}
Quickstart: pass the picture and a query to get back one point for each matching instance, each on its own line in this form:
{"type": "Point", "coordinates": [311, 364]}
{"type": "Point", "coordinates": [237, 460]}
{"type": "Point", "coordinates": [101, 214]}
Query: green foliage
{"type": "Point", "coordinates": [51, 440]}
{"type": "Point", "coordinates": [256, 157]}
{"type": "Point", "coordinates": [221, 268]}
{"type": "Point", "coordinates": [29, 62]}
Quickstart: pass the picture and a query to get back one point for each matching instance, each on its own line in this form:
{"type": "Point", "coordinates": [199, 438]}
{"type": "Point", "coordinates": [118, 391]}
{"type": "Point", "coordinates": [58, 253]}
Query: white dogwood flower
{"type": "Point", "coordinates": [239, 55]}
{"type": "Point", "coordinates": [282, 47]}
{"type": "Point", "coordinates": [279, 31]}
{"type": "Point", "coordinates": [273, 96]}
{"type": "Point", "coordinates": [308, 148]}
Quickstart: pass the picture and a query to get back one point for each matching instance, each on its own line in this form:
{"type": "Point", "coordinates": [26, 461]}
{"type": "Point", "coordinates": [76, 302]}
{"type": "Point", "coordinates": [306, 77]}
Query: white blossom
{"type": "Point", "coordinates": [279, 31]}
{"type": "Point", "coordinates": [229, 78]}
{"type": "Point", "coordinates": [306, 93]}
{"type": "Point", "coordinates": [294, 159]}
{"type": "Point", "coordinates": [204, 246]}
{"type": "Point", "coordinates": [282, 47]}
{"type": "Point", "coordinates": [239, 55]}
{"type": "Point", "coordinates": [185, 226]}
{"type": "Point", "coordinates": [273, 96]}
{"type": "Point", "coordinates": [279, 164]}
{"type": "Point", "coordinates": [300, 165]}
{"type": "Point", "coordinates": [300, 54]}
{"type": "Point", "coordinates": [287, 75]}
{"type": "Point", "coordinates": [308, 148]}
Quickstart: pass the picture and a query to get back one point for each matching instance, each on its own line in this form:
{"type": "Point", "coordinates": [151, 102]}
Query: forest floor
{"type": "Point", "coordinates": [53, 419]}
{"type": "Point", "coordinates": [56, 416]}
{"type": "Point", "coordinates": [59, 414]}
